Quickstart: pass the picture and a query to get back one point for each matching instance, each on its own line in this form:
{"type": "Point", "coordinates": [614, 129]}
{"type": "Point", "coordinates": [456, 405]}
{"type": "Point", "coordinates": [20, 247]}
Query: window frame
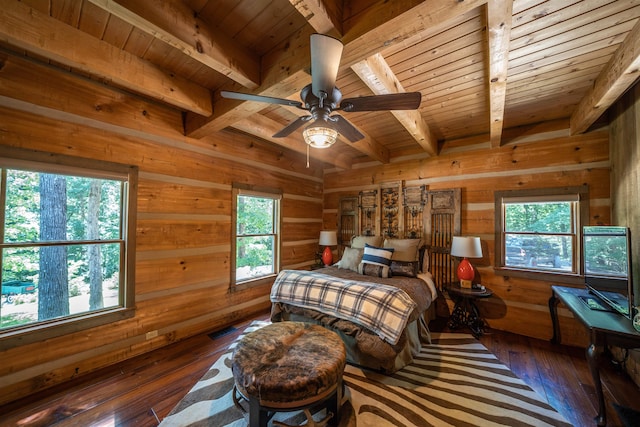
{"type": "Point", "coordinates": [240, 189]}
{"type": "Point", "coordinates": [39, 161]}
{"type": "Point", "coordinates": [578, 194]}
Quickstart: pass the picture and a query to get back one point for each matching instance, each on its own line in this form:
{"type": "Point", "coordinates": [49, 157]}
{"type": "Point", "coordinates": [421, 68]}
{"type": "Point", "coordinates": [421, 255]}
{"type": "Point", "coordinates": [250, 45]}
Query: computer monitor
{"type": "Point", "coordinates": [607, 266]}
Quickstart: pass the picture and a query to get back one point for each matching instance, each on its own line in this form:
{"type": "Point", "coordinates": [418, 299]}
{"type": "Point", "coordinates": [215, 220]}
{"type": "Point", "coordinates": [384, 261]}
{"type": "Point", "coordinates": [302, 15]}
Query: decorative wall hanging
{"type": "Point", "coordinates": [390, 202]}
{"type": "Point", "coordinates": [367, 203]}
{"type": "Point", "coordinates": [414, 200]}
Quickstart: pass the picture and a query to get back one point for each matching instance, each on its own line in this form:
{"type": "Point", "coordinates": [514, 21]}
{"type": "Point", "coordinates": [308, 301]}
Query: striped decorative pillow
{"type": "Point", "coordinates": [377, 256]}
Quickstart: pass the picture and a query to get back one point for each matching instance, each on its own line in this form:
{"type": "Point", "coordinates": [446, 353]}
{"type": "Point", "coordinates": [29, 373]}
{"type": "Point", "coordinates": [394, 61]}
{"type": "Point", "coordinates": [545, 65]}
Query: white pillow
{"type": "Point", "coordinates": [360, 241]}
{"type": "Point", "coordinates": [425, 261]}
{"type": "Point", "coordinates": [405, 249]}
{"type": "Point", "coordinates": [350, 259]}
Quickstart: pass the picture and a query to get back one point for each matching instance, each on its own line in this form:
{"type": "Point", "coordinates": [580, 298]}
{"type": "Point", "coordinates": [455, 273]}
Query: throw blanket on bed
{"type": "Point", "coordinates": [383, 309]}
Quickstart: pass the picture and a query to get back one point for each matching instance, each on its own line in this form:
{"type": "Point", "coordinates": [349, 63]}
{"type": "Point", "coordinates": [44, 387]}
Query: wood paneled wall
{"type": "Point", "coordinates": [540, 158]}
{"type": "Point", "coordinates": [625, 190]}
{"type": "Point", "coordinates": [184, 215]}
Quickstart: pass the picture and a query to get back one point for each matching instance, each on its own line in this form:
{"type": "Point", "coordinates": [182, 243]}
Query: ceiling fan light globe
{"type": "Point", "coordinates": [319, 136]}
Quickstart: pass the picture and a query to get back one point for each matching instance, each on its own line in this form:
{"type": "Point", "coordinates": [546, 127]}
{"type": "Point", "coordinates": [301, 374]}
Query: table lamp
{"type": "Point", "coordinates": [328, 238]}
{"type": "Point", "coordinates": [466, 247]}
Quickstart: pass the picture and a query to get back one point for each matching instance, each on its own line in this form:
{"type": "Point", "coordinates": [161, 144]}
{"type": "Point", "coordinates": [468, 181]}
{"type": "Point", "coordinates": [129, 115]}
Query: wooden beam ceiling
{"type": "Point", "coordinates": [378, 76]}
{"type": "Point", "coordinates": [499, 13]}
{"type": "Point", "coordinates": [368, 37]}
{"type": "Point", "coordinates": [174, 23]}
{"type": "Point", "coordinates": [617, 76]}
{"type": "Point", "coordinates": [387, 25]}
{"type": "Point", "coordinates": [284, 70]}
{"type": "Point", "coordinates": [325, 16]}
{"type": "Point", "coordinates": [22, 26]}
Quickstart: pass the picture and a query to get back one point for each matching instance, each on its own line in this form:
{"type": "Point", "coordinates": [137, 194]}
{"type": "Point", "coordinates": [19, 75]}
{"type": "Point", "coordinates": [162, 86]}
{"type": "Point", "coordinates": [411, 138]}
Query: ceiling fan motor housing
{"type": "Point", "coordinates": [310, 100]}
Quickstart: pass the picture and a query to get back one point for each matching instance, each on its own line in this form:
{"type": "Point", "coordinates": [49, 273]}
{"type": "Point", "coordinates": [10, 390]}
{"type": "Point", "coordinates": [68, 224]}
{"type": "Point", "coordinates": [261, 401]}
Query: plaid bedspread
{"type": "Point", "coordinates": [383, 309]}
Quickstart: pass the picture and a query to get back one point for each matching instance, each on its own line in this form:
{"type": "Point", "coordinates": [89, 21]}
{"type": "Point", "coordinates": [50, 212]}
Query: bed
{"type": "Point", "coordinates": [379, 308]}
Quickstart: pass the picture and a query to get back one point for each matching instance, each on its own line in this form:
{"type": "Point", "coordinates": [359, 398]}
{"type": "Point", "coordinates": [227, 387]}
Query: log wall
{"type": "Point", "coordinates": [542, 157]}
{"type": "Point", "coordinates": [625, 182]}
{"type": "Point", "coordinates": [183, 228]}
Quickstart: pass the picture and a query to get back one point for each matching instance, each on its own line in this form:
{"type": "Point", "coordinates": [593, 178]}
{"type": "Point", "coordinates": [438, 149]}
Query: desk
{"type": "Point", "coordinates": [465, 312]}
{"type": "Point", "coordinates": [605, 328]}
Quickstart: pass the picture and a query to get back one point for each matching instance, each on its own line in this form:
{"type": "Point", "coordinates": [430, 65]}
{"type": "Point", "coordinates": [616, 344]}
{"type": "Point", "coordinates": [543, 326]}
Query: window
{"type": "Point", "coordinates": [65, 256]}
{"type": "Point", "coordinates": [537, 231]}
{"type": "Point", "coordinates": [257, 234]}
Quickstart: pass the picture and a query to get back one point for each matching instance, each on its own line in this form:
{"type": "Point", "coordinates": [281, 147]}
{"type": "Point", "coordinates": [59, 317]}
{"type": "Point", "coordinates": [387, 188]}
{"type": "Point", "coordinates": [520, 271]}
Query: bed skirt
{"type": "Point", "coordinates": [381, 357]}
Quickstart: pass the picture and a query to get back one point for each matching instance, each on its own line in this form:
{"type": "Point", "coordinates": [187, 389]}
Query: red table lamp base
{"type": "Point", "coordinates": [327, 256]}
{"type": "Point", "coordinates": [465, 273]}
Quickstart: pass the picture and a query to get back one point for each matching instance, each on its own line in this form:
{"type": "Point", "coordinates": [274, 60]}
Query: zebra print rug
{"type": "Point", "coordinates": [455, 381]}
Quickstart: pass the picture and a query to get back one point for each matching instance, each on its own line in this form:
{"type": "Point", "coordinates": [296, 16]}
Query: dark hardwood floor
{"type": "Point", "coordinates": [142, 391]}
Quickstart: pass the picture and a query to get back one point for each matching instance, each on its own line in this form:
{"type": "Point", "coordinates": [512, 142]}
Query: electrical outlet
{"type": "Point", "coordinates": [152, 334]}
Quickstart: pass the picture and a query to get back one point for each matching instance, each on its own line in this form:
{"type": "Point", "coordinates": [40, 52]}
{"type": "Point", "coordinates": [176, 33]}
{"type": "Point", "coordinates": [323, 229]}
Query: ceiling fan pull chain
{"type": "Point", "coordinates": [307, 156]}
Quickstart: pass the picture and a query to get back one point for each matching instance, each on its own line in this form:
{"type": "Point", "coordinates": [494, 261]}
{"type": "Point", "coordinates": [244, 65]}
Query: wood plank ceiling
{"type": "Point", "coordinates": [484, 67]}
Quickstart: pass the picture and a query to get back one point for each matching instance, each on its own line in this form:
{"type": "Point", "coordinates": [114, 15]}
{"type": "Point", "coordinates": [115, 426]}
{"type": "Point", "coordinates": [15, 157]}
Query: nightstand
{"type": "Point", "coordinates": [466, 313]}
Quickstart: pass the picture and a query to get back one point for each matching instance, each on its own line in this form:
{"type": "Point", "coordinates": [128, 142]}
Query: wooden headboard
{"type": "Point", "coordinates": [394, 210]}
{"type": "Point", "coordinates": [442, 222]}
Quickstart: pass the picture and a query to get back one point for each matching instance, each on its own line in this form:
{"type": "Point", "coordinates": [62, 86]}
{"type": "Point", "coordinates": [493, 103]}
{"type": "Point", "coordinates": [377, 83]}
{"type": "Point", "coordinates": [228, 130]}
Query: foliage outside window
{"type": "Point", "coordinates": [257, 235]}
{"type": "Point", "coordinates": [538, 230]}
{"type": "Point", "coordinates": [64, 251]}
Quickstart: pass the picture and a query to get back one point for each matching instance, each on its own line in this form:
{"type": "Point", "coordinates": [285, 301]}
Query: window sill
{"type": "Point", "coordinates": [546, 276]}
{"type": "Point", "coordinates": [39, 332]}
{"type": "Point", "coordinates": [264, 280]}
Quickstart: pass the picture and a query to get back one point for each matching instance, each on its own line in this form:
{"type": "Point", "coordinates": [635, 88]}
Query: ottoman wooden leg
{"type": "Point", "coordinates": [333, 404]}
{"type": "Point", "coordinates": [258, 416]}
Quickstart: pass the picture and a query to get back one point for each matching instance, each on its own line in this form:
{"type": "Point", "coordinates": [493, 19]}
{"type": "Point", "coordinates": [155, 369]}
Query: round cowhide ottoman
{"type": "Point", "coordinates": [289, 366]}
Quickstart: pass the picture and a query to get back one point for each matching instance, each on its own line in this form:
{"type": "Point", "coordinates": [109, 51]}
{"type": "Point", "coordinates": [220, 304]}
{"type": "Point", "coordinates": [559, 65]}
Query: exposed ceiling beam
{"type": "Point", "coordinates": [499, 16]}
{"type": "Point", "coordinates": [325, 16]}
{"type": "Point", "coordinates": [262, 125]}
{"type": "Point", "coordinates": [622, 70]}
{"type": "Point", "coordinates": [378, 76]}
{"type": "Point", "coordinates": [174, 24]}
{"type": "Point", "coordinates": [23, 26]}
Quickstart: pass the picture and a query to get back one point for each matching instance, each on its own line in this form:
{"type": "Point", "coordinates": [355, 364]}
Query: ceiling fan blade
{"type": "Point", "coordinates": [392, 101]}
{"type": "Point", "coordinates": [345, 128]}
{"type": "Point", "coordinates": [326, 53]}
{"type": "Point", "coordinates": [286, 131]}
{"type": "Point", "coordinates": [260, 98]}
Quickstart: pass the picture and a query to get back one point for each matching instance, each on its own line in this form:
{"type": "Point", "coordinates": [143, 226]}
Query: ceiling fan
{"type": "Point", "coordinates": [322, 97]}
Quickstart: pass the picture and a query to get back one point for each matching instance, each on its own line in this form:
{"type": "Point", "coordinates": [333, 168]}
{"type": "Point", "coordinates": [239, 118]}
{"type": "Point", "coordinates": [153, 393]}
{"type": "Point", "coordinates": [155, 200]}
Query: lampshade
{"type": "Point", "coordinates": [466, 247]}
{"type": "Point", "coordinates": [328, 238]}
{"type": "Point", "coordinates": [319, 136]}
